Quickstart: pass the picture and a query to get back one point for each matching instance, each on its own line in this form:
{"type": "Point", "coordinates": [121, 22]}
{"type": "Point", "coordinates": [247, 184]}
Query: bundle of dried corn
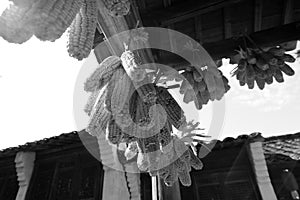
{"type": "Point", "coordinates": [203, 85]}
{"type": "Point", "coordinates": [141, 120]}
{"type": "Point", "coordinates": [256, 65]}
{"type": "Point", "coordinates": [49, 19]}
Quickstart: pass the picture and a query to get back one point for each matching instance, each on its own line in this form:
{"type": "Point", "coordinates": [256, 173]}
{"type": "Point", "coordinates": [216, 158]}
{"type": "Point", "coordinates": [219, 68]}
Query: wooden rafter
{"type": "Point", "coordinates": [167, 3]}
{"type": "Point", "coordinates": [227, 23]}
{"type": "Point", "coordinates": [198, 28]}
{"type": "Point", "coordinates": [184, 10]}
{"type": "Point", "coordinates": [226, 48]}
{"type": "Point", "coordinates": [288, 11]}
{"type": "Point", "coordinates": [258, 9]}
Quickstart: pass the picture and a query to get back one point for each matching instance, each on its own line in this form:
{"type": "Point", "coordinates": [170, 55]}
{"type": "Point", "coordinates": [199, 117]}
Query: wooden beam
{"type": "Point", "coordinates": [288, 11]}
{"type": "Point", "coordinates": [258, 9]}
{"type": "Point", "coordinates": [183, 10]}
{"type": "Point", "coordinates": [227, 23]}
{"type": "Point", "coordinates": [226, 48]}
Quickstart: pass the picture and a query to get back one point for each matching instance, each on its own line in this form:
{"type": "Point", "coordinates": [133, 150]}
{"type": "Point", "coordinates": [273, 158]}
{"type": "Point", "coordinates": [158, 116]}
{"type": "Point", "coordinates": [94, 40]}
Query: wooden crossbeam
{"type": "Point", "coordinates": [258, 9]}
{"type": "Point", "coordinates": [183, 10]}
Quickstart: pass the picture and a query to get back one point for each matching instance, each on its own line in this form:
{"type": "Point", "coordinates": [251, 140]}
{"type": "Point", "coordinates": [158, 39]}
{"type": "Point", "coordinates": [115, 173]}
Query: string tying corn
{"type": "Point", "coordinates": [82, 31]}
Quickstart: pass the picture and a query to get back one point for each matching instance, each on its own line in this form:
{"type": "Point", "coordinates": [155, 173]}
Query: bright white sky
{"type": "Point", "coordinates": [37, 81]}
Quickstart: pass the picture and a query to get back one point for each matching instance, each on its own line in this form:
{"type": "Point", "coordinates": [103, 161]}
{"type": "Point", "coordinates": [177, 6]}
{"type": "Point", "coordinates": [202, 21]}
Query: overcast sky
{"type": "Point", "coordinates": [37, 81]}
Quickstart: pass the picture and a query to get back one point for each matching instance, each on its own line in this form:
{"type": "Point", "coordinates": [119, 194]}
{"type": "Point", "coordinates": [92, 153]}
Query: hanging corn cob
{"type": "Point", "coordinates": [23, 3]}
{"type": "Point", "coordinates": [131, 63]}
{"type": "Point", "coordinates": [53, 17]}
{"type": "Point", "coordinates": [114, 132]}
{"type": "Point", "coordinates": [14, 26]}
{"type": "Point", "coordinates": [82, 31]}
{"type": "Point", "coordinates": [49, 19]}
{"type": "Point", "coordinates": [260, 67]}
{"type": "Point", "coordinates": [117, 8]}
{"type": "Point", "coordinates": [91, 102]}
{"type": "Point", "coordinates": [121, 95]}
{"type": "Point", "coordinates": [102, 74]}
{"type": "Point", "coordinates": [179, 165]}
{"type": "Point", "coordinates": [99, 116]}
{"type": "Point", "coordinates": [174, 111]}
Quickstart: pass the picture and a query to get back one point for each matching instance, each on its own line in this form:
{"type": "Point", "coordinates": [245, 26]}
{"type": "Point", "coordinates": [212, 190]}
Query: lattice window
{"type": "Point", "coordinates": [88, 183]}
{"type": "Point", "coordinates": [64, 181]}
{"type": "Point", "coordinates": [67, 177]}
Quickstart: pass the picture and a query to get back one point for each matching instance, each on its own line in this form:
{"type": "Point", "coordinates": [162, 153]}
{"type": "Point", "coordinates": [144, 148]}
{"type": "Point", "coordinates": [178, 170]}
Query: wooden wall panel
{"type": "Point", "coordinates": [66, 175]}
{"type": "Point", "coordinates": [272, 7]}
{"type": "Point", "coordinates": [271, 21]}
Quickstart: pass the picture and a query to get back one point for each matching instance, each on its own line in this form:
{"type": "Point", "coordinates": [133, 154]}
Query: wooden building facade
{"type": "Point", "coordinates": [63, 168]}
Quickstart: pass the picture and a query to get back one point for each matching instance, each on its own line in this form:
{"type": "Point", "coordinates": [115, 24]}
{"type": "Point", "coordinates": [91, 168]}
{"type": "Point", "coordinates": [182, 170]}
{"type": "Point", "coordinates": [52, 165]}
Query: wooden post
{"type": "Point", "coordinates": [24, 168]}
{"type": "Point", "coordinates": [259, 165]}
{"type": "Point", "coordinates": [154, 188]}
{"type": "Point", "coordinates": [167, 193]}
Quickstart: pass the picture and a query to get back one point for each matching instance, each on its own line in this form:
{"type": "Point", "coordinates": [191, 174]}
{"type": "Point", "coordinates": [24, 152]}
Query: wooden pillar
{"type": "Point", "coordinates": [260, 168]}
{"type": "Point", "coordinates": [24, 167]}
